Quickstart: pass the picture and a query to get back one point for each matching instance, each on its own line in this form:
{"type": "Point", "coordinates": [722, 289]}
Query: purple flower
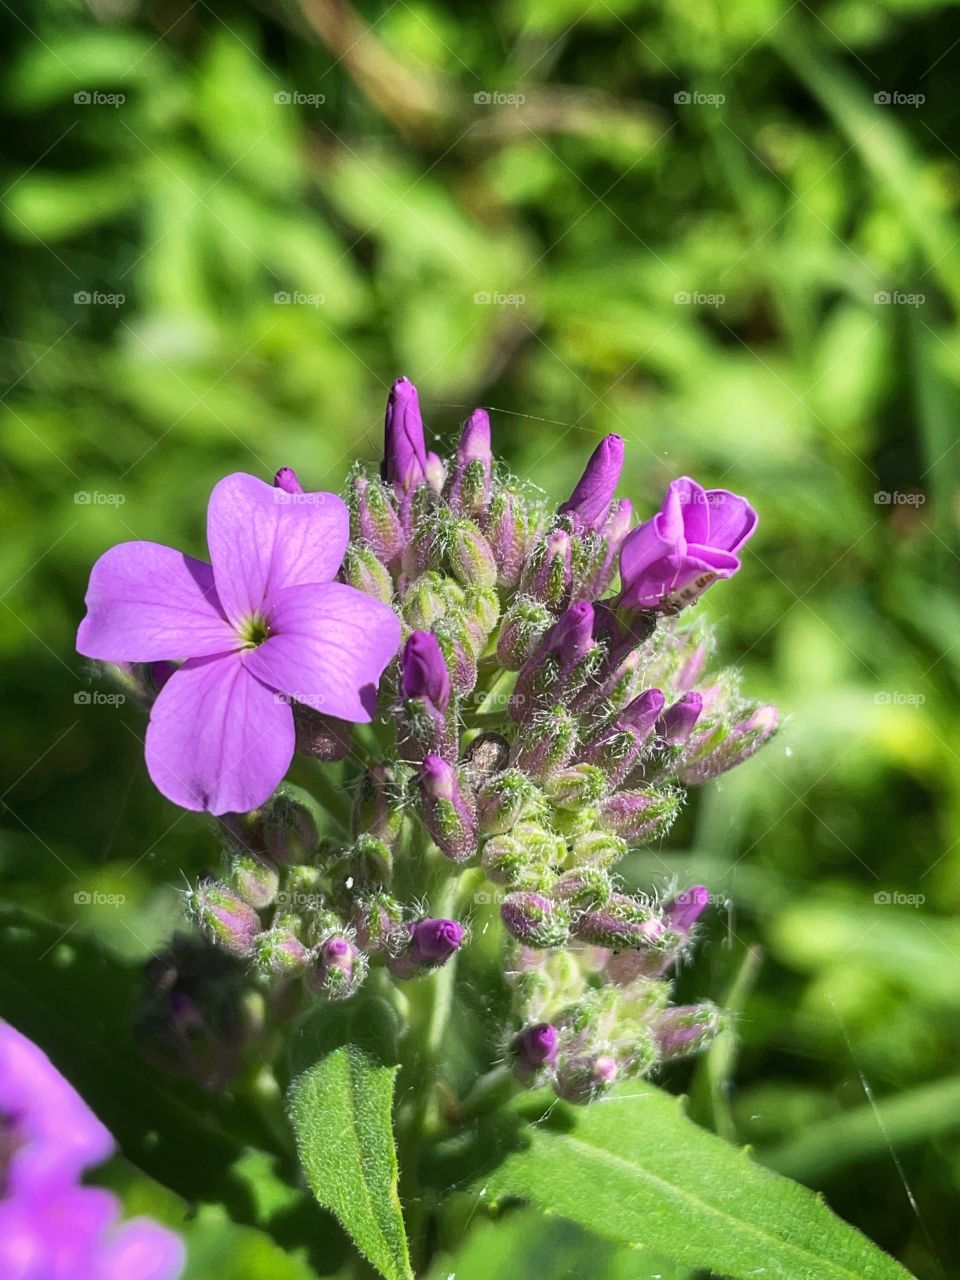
{"type": "Point", "coordinates": [430, 944]}
{"type": "Point", "coordinates": [677, 722]}
{"type": "Point", "coordinates": [265, 620]}
{"type": "Point", "coordinates": [51, 1228]}
{"type": "Point", "coordinates": [405, 463]}
{"type": "Point", "coordinates": [590, 501]}
{"type": "Point", "coordinates": [689, 543]}
{"type": "Point", "coordinates": [425, 674]}
{"type": "Point", "coordinates": [535, 1048]}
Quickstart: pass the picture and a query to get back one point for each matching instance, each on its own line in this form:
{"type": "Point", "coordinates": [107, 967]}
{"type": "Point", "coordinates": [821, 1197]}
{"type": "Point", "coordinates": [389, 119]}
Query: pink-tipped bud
{"type": "Point", "coordinates": [447, 808]}
{"type": "Point", "coordinates": [286, 479]}
{"type": "Point", "coordinates": [473, 467]}
{"type": "Point", "coordinates": [590, 501]}
{"type": "Point", "coordinates": [677, 723]}
{"type": "Point", "coordinates": [430, 944]}
{"type": "Point", "coordinates": [404, 450]}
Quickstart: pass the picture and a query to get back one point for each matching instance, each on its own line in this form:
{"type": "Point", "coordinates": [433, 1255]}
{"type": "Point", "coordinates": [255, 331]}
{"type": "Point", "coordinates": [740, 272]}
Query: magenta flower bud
{"type": "Point", "coordinates": [279, 952]}
{"type": "Point", "coordinates": [404, 450]}
{"type": "Point", "coordinates": [508, 536]}
{"type": "Point", "coordinates": [286, 479]}
{"type": "Point", "coordinates": [374, 519]}
{"type": "Point", "coordinates": [424, 671]}
{"type": "Point", "coordinates": [686, 1028]}
{"type": "Point", "coordinates": [743, 739]}
{"type": "Point", "coordinates": [590, 501]}
{"type": "Point", "coordinates": [535, 1049]}
{"type": "Point", "coordinates": [623, 922]}
{"type": "Point", "coordinates": [436, 472]}
{"type": "Point", "coordinates": [448, 810]}
{"type": "Point", "coordinates": [548, 575]}
{"type": "Point", "coordinates": [677, 723]}
{"type": "Point", "coordinates": [643, 712]}
{"type": "Point", "coordinates": [223, 917]}
{"type": "Point", "coordinates": [584, 1078]}
{"type": "Point", "coordinates": [430, 944]}
{"type": "Point", "coordinates": [640, 815]}
{"type": "Point", "coordinates": [546, 744]}
{"type": "Point", "coordinates": [559, 664]}
{"type": "Point", "coordinates": [683, 910]}
{"type": "Point", "coordinates": [339, 969]}
{"type": "Point", "coordinates": [535, 921]}
{"type": "Point", "coordinates": [473, 467]}
{"type": "Point", "coordinates": [692, 541]}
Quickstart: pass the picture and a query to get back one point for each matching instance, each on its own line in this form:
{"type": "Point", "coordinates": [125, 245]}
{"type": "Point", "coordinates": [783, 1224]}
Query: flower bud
{"type": "Point", "coordinates": [374, 519]}
{"type": "Point", "coordinates": [643, 713]}
{"type": "Point", "coordinates": [615, 529]}
{"type": "Point", "coordinates": [279, 952]}
{"type": "Point", "coordinates": [436, 472]}
{"type": "Point", "coordinates": [429, 945]}
{"type": "Point", "coordinates": [683, 910]}
{"type": "Point", "coordinates": [584, 888]}
{"type": "Point", "coordinates": [429, 598]}
{"type": "Point", "coordinates": [524, 625]}
{"type": "Point", "coordinates": [469, 556]}
{"type": "Point", "coordinates": [369, 863]}
{"type": "Point", "coordinates": [507, 533]}
{"type": "Point", "coordinates": [224, 917]}
{"type": "Point", "coordinates": [534, 1050]}
{"type": "Point", "coordinates": [504, 800]}
{"type": "Point", "coordinates": [576, 787]}
{"type": "Point", "coordinates": [561, 663]}
{"type": "Point", "coordinates": [481, 612]}
{"type": "Point", "coordinates": [255, 880]}
{"type": "Point", "coordinates": [677, 723]}
{"type": "Point", "coordinates": [447, 809]}
{"type": "Point", "coordinates": [590, 501]}
{"type": "Point", "coordinates": [456, 644]}
{"type": "Point", "coordinates": [376, 921]}
{"type": "Point", "coordinates": [363, 571]}
{"type": "Point", "coordinates": [548, 574]}
{"type": "Point", "coordinates": [339, 969]}
{"type": "Point", "coordinates": [686, 1028]}
{"type": "Point", "coordinates": [546, 744]}
{"type": "Point", "coordinates": [584, 1078]}
{"type": "Point", "coordinates": [424, 672]}
{"type": "Point", "coordinates": [286, 479]}
{"type": "Point", "coordinates": [744, 738]}
{"type": "Point", "coordinates": [376, 809]}
{"type": "Point", "coordinates": [521, 858]}
{"type": "Point", "coordinates": [535, 921]}
{"type": "Point", "coordinates": [614, 752]}
{"type": "Point", "coordinates": [597, 849]}
{"type": "Point", "coordinates": [404, 452]}
{"type": "Point", "coordinates": [641, 814]}
{"type": "Point", "coordinates": [473, 467]}
{"type": "Point", "coordinates": [624, 922]}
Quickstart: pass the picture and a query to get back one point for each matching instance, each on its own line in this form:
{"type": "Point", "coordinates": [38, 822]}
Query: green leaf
{"type": "Point", "coordinates": [341, 1109]}
{"type": "Point", "coordinates": [635, 1169]}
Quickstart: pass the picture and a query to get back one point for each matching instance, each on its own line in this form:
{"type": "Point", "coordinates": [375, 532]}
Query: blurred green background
{"type": "Point", "coordinates": [728, 232]}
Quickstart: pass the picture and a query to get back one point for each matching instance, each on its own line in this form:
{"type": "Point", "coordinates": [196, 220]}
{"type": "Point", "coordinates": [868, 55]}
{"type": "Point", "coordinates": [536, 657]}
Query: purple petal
{"type": "Point", "coordinates": [693, 503]}
{"type": "Point", "coordinates": [146, 602]}
{"type": "Point", "coordinates": [55, 1236]}
{"type": "Point", "coordinates": [732, 520]}
{"type": "Point", "coordinates": [328, 647]}
{"type": "Point", "coordinates": [263, 539]}
{"type": "Point", "coordinates": [56, 1135]}
{"type": "Point", "coordinates": [142, 1250]}
{"type": "Point", "coordinates": [218, 739]}
{"type": "Point", "coordinates": [712, 559]}
{"type": "Point", "coordinates": [643, 547]}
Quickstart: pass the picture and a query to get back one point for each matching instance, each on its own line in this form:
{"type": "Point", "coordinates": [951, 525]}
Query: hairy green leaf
{"type": "Point", "coordinates": [634, 1168]}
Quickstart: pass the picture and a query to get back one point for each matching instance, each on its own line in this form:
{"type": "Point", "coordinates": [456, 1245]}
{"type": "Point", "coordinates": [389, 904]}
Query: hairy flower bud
{"type": "Point", "coordinates": [604, 570]}
{"type": "Point", "coordinates": [524, 625]}
{"type": "Point", "coordinates": [376, 921]}
{"type": "Point", "coordinates": [254, 879]}
{"type": "Point", "coordinates": [374, 519]}
{"type": "Point", "coordinates": [641, 814]}
{"type": "Point", "coordinates": [429, 944]}
{"type": "Point", "coordinates": [548, 574]}
{"type": "Point", "coordinates": [535, 920]}
{"type": "Point", "coordinates": [687, 1028]}
{"type": "Point", "coordinates": [473, 467]}
{"type": "Point", "coordinates": [585, 1077]}
{"type": "Point", "coordinates": [584, 888]}
{"type": "Point", "coordinates": [521, 858]}
{"type": "Point", "coordinates": [597, 849]}
{"type": "Point", "coordinates": [404, 452]}
{"type": "Point", "coordinates": [362, 570]}
{"type": "Point", "coordinates": [614, 752]}
{"type": "Point", "coordinates": [677, 723]}
{"type": "Point", "coordinates": [375, 809]}
{"type": "Point", "coordinates": [448, 810]}
{"type": "Point", "coordinates": [534, 1050]}
{"type": "Point", "coordinates": [469, 555]}
{"type": "Point", "coordinates": [339, 969]}
{"type": "Point", "coordinates": [480, 612]}
{"type": "Point", "coordinates": [504, 800]}
{"type": "Point", "coordinates": [590, 501]}
{"type": "Point", "coordinates": [561, 663]}
{"type": "Point", "coordinates": [508, 534]}
{"type": "Point", "coordinates": [744, 738]}
{"type": "Point", "coordinates": [643, 713]}
{"type": "Point", "coordinates": [369, 863]}
{"type": "Point", "coordinates": [224, 917]}
{"type": "Point", "coordinates": [578, 786]}
{"type": "Point", "coordinates": [279, 952]}
{"type": "Point", "coordinates": [546, 744]}
{"type": "Point", "coordinates": [622, 922]}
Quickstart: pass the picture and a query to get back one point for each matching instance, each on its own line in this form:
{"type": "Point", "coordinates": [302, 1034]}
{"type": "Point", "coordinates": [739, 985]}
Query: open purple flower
{"type": "Point", "coordinates": [51, 1227]}
{"type": "Point", "coordinates": [689, 543]}
{"type": "Point", "coordinates": [263, 625]}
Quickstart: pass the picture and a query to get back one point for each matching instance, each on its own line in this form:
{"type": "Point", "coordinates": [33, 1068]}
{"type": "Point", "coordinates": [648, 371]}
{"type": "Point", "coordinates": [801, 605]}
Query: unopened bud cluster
{"type": "Point", "coordinates": [548, 705]}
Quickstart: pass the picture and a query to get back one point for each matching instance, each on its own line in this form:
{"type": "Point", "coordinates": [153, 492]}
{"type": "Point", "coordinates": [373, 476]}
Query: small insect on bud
{"type": "Point", "coordinates": [546, 744]}
{"type": "Point", "coordinates": [429, 944]}
{"type": "Point", "coordinates": [535, 920]}
{"type": "Point", "coordinates": [473, 467]}
{"type": "Point", "coordinates": [286, 479]}
{"type": "Point", "coordinates": [448, 809]}
{"type": "Point", "coordinates": [374, 520]}
{"type": "Point", "coordinates": [677, 723]}
{"type": "Point", "coordinates": [641, 814]}
{"type": "Point", "coordinates": [504, 800]}
{"type": "Point", "coordinates": [255, 880]}
{"type": "Point", "coordinates": [687, 1028]}
{"type": "Point", "coordinates": [535, 1050]}
{"type": "Point", "coordinates": [469, 556]}
{"type": "Point", "coordinates": [339, 969]}
{"type": "Point", "coordinates": [623, 922]}
{"type": "Point", "coordinates": [223, 917]}
{"type": "Point", "coordinates": [279, 952]}
{"type": "Point", "coordinates": [524, 625]}
{"type": "Point", "coordinates": [585, 1077]}
{"type": "Point", "coordinates": [363, 571]}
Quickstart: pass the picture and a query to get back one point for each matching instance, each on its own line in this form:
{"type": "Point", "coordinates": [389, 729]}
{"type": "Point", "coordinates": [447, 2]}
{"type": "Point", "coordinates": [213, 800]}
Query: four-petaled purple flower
{"type": "Point", "coordinates": [51, 1226]}
{"type": "Point", "coordinates": [261, 626]}
{"type": "Point", "coordinates": [691, 541]}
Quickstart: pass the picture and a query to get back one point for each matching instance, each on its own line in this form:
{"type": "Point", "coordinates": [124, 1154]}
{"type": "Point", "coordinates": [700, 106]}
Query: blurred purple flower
{"type": "Point", "coordinates": [264, 625]}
